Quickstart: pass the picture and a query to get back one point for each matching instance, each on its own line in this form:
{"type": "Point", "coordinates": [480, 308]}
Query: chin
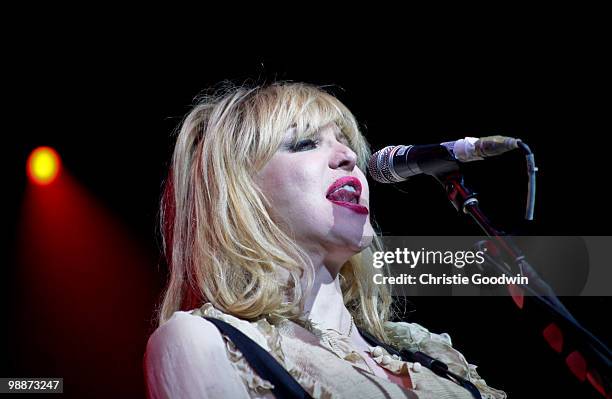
{"type": "Point", "coordinates": [357, 245]}
{"type": "Point", "coordinates": [365, 242]}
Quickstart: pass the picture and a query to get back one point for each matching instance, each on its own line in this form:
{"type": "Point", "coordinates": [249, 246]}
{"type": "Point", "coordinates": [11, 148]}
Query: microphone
{"type": "Point", "coordinates": [394, 164]}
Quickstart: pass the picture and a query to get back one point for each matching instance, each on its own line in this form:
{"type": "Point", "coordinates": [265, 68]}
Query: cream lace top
{"type": "Point", "coordinates": [322, 362]}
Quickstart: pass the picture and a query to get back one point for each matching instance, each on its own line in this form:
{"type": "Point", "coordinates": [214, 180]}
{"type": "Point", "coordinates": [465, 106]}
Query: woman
{"type": "Point", "coordinates": [267, 227]}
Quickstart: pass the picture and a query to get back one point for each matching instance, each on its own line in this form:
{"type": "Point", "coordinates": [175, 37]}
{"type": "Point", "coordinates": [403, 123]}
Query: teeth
{"type": "Point", "coordinates": [347, 188]}
{"type": "Point", "coordinates": [346, 193]}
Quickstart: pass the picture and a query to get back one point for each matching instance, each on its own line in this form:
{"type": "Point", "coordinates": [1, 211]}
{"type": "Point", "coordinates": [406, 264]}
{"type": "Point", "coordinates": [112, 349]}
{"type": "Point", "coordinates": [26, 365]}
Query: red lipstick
{"type": "Point", "coordinates": [347, 197]}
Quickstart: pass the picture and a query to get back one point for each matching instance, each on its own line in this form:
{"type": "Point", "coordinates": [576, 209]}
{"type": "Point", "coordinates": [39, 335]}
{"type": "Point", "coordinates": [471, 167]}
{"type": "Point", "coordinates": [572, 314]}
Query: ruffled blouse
{"type": "Point", "coordinates": [326, 365]}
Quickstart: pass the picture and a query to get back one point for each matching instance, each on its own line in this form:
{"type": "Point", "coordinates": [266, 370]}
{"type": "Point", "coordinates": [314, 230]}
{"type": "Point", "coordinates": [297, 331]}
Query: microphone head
{"type": "Point", "coordinates": [379, 167]}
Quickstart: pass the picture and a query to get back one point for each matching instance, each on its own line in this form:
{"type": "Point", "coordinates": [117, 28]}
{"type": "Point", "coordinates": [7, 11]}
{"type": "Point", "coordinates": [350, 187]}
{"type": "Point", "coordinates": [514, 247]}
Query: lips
{"type": "Point", "coordinates": [346, 192]}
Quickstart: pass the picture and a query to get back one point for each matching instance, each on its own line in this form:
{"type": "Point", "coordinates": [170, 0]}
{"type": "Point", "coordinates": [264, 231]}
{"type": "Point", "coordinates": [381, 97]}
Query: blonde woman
{"type": "Point", "coordinates": [267, 227]}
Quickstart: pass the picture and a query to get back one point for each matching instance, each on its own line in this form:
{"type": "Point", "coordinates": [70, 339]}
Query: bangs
{"type": "Point", "coordinates": [309, 108]}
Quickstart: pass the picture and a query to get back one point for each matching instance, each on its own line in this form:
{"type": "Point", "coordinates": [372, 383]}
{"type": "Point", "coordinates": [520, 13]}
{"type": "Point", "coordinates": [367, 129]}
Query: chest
{"type": "Point", "coordinates": [361, 346]}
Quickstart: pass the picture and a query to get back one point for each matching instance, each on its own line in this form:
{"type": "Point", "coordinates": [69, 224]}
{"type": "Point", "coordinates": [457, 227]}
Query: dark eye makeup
{"type": "Point", "coordinates": [311, 143]}
{"type": "Point", "coordinates": [304, 145]}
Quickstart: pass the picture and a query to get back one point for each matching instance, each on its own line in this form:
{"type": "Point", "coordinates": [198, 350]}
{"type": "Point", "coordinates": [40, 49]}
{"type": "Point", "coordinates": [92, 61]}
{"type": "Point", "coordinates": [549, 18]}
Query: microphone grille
{"type": "Point", "coordinates": [378, 166]}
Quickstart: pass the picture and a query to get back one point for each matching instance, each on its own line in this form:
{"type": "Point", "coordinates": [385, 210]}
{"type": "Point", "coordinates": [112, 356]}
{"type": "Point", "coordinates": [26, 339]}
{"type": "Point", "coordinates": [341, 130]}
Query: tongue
{"type": "Point", "coordinates": [341, 195]}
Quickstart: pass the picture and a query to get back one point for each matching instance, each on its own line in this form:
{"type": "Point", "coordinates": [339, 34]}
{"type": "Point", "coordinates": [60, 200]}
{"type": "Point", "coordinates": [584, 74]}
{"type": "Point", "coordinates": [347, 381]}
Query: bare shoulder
{"type": "Point", "coordinates": [184, 330]}
{"type": "Point", "coordinates": [186, 357]}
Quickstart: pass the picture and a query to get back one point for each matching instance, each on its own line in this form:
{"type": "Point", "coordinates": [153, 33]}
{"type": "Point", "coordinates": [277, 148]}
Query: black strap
{"type": "Point", "coordinates": [285, 386]}
{"type": "Point", "coordinates": [266, 366]}
{"type": "Point", "coordinates": [438, 367]}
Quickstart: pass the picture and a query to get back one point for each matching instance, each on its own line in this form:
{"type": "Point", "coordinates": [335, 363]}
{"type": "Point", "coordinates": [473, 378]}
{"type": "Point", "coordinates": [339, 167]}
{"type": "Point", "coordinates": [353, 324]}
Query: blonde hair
{"type": "Point", "coordinates": [219, 240]}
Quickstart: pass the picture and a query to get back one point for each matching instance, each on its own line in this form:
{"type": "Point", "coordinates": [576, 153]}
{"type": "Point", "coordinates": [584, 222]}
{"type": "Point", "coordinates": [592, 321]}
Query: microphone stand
{"type": "Point", "coordinates": [465, 200]}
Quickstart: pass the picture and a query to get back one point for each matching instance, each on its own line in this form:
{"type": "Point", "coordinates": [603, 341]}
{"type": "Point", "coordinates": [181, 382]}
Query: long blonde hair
{"type": "Point", "coordinates": [219, 240]}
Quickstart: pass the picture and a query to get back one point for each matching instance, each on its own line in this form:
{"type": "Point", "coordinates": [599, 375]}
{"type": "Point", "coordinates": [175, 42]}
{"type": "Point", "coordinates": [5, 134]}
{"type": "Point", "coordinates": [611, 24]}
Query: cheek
{"type": "Point", "coordinates": [292, 188]}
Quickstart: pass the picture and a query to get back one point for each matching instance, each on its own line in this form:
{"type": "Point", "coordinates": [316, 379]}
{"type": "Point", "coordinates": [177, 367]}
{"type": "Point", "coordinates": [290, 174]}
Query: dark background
{"type": "Point", "coordinates": [109, 110]}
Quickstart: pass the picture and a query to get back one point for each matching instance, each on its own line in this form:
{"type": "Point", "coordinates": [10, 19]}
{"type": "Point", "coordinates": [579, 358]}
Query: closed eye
{"type": "Point", "coordinates": [304, 145]}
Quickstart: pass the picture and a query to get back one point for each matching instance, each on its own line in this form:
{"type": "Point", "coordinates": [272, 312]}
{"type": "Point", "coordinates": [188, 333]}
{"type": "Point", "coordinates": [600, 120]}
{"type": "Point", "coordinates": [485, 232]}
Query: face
{"type": "Point", "coordinates": [319, 196]}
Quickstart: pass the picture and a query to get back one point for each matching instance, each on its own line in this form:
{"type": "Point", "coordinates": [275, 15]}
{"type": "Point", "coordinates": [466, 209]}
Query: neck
{"type": "Point", "coordinates": [325, 306]}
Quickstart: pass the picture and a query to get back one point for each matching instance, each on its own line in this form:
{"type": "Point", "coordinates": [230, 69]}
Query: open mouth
{"type": "Point", "coordinates": [346, 192]}
{"type": "Point", "coordinates": [345, 189]}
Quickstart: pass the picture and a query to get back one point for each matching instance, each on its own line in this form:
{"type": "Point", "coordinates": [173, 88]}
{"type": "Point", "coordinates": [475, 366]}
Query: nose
{"type": "Point", "coordinates": [343, 157]}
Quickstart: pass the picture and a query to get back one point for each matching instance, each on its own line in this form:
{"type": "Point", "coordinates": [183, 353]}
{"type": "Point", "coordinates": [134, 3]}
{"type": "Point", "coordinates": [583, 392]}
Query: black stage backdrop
{"type": "Point", "coordinates": [109, 111]}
